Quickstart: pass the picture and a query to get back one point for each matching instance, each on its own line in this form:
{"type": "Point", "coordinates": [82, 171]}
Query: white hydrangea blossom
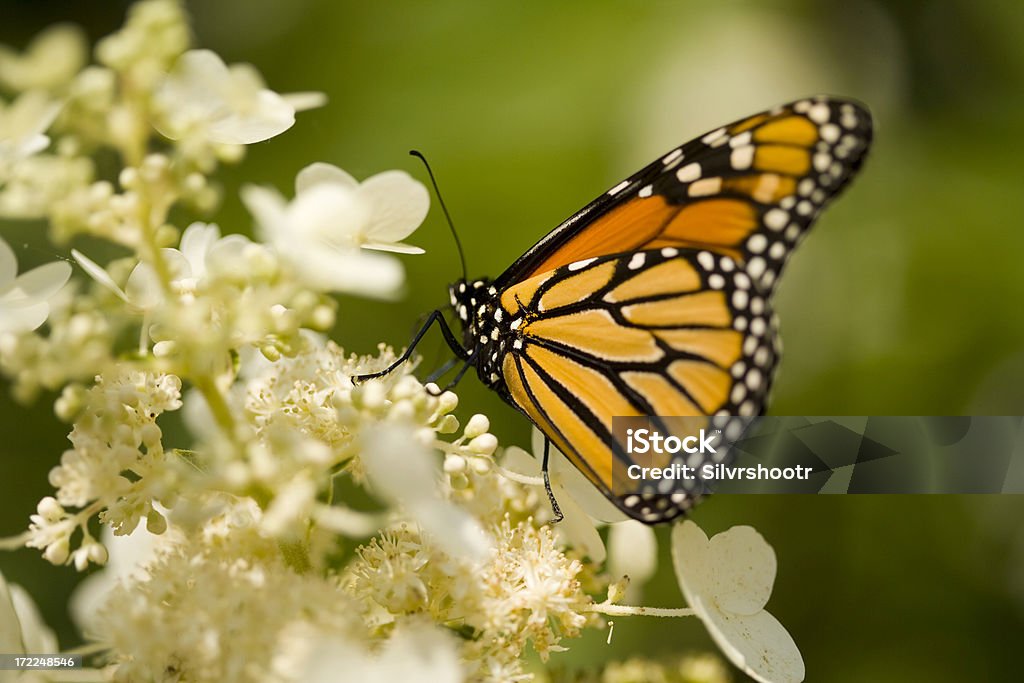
{"type": "Point", "coordinates": [728, 581]}
{"type": "Point", "coordinates": [25, 298]}
{"type": "Point", "coordinates": [332, 217]}
{"type": "Point", "coordinates": [23, 126]}
{"type": "Point", "coordinates": [204, 101]}
{"type": "Point", "coordinates": [49, 62]}
{"type": "Point", "coordinates": [292, 525]}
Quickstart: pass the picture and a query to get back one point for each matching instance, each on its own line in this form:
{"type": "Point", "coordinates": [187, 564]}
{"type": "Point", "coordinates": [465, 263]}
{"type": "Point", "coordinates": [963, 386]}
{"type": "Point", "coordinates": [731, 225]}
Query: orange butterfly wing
{"type": "Point", "coordinates": [749, 190]}
{"type": "Point", "coordinates": [659, 332]}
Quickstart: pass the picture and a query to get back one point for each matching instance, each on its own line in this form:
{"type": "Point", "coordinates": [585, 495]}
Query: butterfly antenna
{"type": "Point", "coordinates": [448, 217]}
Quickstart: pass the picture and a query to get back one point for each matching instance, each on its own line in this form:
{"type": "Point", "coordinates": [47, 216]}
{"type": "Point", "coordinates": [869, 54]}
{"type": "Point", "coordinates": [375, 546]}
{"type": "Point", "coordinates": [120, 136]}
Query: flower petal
{"type": "Point", "coordinates": [42, 282]}
{"type": "Point", "coordinates": [97, 273]}
{"type": "Point", "coordinates": [35, 634]}
{"type": "Point", "coordinates": [758, 644]}
{"type": "Point", "coordinates": [399, 205]}
{"type": "Point", "coordinates": [270, 116]}
{"type": "Point", "coordinates": [268, 207]}
{"type": "Point", "coordinates": [144, 288]}
{"type": "Point", "coordinates": [745, 568]}
{"type": "Point", "coordinates": [577, 528]}
{"type": "Point", "coordinates": [326, 215]}
{"type": "Point", "coordinates": [22, 318]}
{"type": "Point", "coordinates": [519, 461]}
{"type": "Point", "coordinates": [393, 247]}
{"type": "Point", "coordinates": [691, 557]}
{"type": "Point", "coordinates": [302, 101]}
{"type": "Point", "coordinates": [8, 264]}
{"type": "Point", "coordinates": [574, 481]}
{"type": "Point", "coordinates": [10, 625]}
{"type": "Point", "coordinates": [632, 551]}
{"type": "Point", "coordinates": [319, 172]}
{"type": "Point", "coordinates": [352, 271]}
{"type": "Point", "coordinates": [196, 242]}
{"type": "Point", "coordinates": [398, 466]}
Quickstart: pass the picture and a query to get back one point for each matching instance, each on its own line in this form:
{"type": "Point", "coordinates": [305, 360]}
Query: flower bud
{"type": "Point", "coordinates": [480, 465]}
{"type": "Point", "coordinates": [447, 402]}
{"type": "Point", "coordinates": [98, 554]}
{"type": "Point", "coordinates": [58, 551]}
{"type": "Point", "coordinates": [449, 424]}
{"type": "Point", "coordinates": [49, 509]}
{"type": "Point", "coordinates": [617, 590]}
{"type": "Point", "coordinates": [477, 425]}
{"type": "Point", "coordinates": [156, 524]}
{"type": "Point", "coordinates": [453, 464]}
{"type": "Point", "coordinates": [484, 444]}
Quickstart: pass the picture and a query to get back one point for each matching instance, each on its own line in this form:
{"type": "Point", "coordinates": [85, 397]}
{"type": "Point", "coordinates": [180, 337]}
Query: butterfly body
{"type": "Point", "coordinates": [655, 298]}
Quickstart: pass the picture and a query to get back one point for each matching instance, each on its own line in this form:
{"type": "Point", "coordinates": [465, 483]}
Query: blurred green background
{"type": "Point", "coordinates": [905, 300]}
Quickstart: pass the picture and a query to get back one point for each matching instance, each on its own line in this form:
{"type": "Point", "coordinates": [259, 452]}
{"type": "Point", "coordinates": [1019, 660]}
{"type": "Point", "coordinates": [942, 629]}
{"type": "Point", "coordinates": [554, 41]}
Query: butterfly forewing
{"type": "Point", "coordinates": [749, 190]}
{"type": "Point", "coordinates": [659, 332]}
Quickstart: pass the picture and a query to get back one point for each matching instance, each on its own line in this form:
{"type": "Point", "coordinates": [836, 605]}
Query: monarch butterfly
{"type": "Point", "coordinates": [655, 298]}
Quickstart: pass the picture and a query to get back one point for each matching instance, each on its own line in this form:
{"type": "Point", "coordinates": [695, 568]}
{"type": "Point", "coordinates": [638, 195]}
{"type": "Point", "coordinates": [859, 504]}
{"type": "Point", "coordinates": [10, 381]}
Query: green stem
{"type": "Point", "coordinates": [296, 556]}
{"type": "Point", "coordinates": [218, 405]}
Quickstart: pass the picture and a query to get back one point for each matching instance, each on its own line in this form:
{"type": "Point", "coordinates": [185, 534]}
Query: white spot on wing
{"type": "Point", "coordinates": [672, 156]}
{"type": "Point", "coordinates": [688, 173]}
{"type": "Point", "coordinates": [705, 187]}
{"type": "Point", "coordinates": [742, 157]}
{"type": "Point", "coordinates": [819, 113]}
{"type": "Point", "coordinates": [637, 261]}
{"type": "Point", "coordinates": [740, 140]}
{"type": "Point", "coordinates": [619, 188]}
{"type": "Point", "coordinates": [579, 265]}
{"type": "Point", "coordinates": [776, 219]}
{"type": "Point", "coordinates": [713, 136]}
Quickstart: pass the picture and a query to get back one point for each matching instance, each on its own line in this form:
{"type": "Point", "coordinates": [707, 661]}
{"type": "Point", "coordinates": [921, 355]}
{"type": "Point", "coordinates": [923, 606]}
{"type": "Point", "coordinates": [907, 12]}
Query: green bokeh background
{"type": "Point", "coordinates": [905, 300]}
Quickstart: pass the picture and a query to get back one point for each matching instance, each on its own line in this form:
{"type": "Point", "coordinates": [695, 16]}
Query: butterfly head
{"type": "Point", "coordinates": [469, 298]}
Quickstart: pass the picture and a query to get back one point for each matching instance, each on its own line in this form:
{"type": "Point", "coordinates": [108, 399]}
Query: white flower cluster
{"type": "Point", "coordinates": [289, 525]}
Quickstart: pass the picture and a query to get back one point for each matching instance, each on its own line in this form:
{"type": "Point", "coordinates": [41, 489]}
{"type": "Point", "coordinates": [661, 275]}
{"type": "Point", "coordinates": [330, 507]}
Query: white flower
{"type": "Point", "coordinates": [22, 630]}
{"type": "Point", "coordinates": [24, 299]}
{"type": "Point", "coordinates": [51, 60]}
{"type": "Point", "coordinates": [332, 216]}
{"type": "Point", "coordinates": [414, 653]}
{"type": "Point", "coordinates": [727, 582]}
{"type": "Point", "coordinates": [402, 470]}
{"type": "Point", "coordinates": [127, 558]}
{"type": "Point", "coordinates": [201, 244]}
{"type": "Point", "coordinates": [632, 552]}
{"type": "Point", "coordinates": [204, 99]}
{"type": "Point", "coordinates": [580, 501]}
{"type": "Point", "coordinates": [22, 127]}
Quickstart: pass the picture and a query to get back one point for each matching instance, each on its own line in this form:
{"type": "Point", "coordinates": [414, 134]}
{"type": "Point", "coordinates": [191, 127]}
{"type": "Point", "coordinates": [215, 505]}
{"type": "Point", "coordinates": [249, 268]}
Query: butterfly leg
{"type": "Point", "coordinates": [446, 332]}
{"type": "Point", "coordinates": [462, 372]}
{"type": "Point", "coordinates": [441, 371]}
{"type": "Point", "coordinates": [547, 484]}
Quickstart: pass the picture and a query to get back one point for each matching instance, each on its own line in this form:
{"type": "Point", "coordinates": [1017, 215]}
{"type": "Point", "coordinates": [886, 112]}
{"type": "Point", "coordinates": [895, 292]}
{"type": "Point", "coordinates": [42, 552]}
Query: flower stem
{"type": "Point", "coordinates": [521, 478]}
{"type": "Point", "coordinates": [296, 556]}
{"type": "Point", "coordinates": [218, 406]}
{"type": "Point", "coordinates": [640, 611]}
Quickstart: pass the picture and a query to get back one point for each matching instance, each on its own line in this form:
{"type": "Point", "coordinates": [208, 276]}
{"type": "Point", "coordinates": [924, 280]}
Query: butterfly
{"type": "Point", "coordinates": [655, 298]}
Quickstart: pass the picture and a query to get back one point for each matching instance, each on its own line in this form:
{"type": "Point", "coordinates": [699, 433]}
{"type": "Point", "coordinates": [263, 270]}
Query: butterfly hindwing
{"type": "Point", "coordinates": [749, 190]}
{"type": "Point", "coordinates": [662, 332]}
